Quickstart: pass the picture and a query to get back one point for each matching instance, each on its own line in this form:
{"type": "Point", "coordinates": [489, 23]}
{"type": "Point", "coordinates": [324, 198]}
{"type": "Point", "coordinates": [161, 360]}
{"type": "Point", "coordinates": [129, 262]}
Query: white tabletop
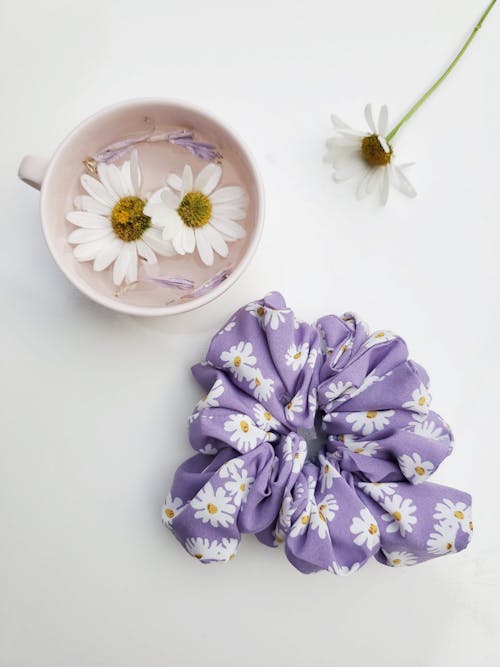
{"type": "Point", "coordinates": [94, 405]}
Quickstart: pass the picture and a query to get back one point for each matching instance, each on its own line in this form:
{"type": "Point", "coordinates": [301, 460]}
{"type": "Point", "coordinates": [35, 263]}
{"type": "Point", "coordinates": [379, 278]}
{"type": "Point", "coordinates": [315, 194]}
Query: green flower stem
{"type": "Point", "coordinates": [443, 76]}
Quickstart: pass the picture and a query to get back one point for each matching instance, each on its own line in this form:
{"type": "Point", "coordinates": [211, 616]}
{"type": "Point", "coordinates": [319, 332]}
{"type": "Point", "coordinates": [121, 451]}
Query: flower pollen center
{"type": "Point", "coordinates": [373, 151]}
{"type": "Point", "coordinates": [195, 209]}
{"type": "Point", "coordinates": [128, 220]}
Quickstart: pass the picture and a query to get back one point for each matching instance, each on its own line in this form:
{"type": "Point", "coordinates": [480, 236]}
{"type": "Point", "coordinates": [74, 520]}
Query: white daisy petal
{"type": "Point", "coordinates": [383, 121]}
{"type": "Point", "coordinates": [384, 191]}
{"type": "Point", "coordinates": [402, 183]}
{"type": "Point", "coordinates": [228, 194]}
{"type": "Point", "coordinates": [83, 235]}
{"type": "Point", "coordinates": [144, 250]}
{"type": "Point", "coordinates": [369, 118]}
{"type": "Point", "coordinates": [361, 190]}
{"type": "Point", "coordinates": [178, 242]}
{"type": "Point", "coordinates": [87, 251]}
{"type": "Point", "coordinates": [231, 230]}
{"type": "Point", "coordinates": [208, 178]}
{"type": "Point", "coordinates": [188, 239]}
{"type": "Point", "coordinates": [154, 239]}
{"type": "Point", "coordinates": [97, 190]}
{"type": "Point", "coordinates": [172, 224]}
{"type": "Point", "coordinates": [175, 182]}
{"type": "Point", "coordinates": [373, 180]}
{"type": "Point", "coordinates": [91, 205]}
{"type": "Point", "coordinates": [108, 254]}
{"type": "Point", "coordinates": [204, 248]}
{"type": "Point", "coordinates": [187, 180]}
{"type": "Point", "coordinates": [338, 123]}
{"type": "Point", "coordinates": [120, 266]}
{"type": "Point", "coordinates": [131, 274]}
{"type": "Point", "coordinates": [216, 240]}
{"type": "Point", "coordinates": [231, 212]}
{"type": "Point", "coordinates": [135, 172]}
{"type": "Point", "coordinates": [88, 220]}
{"type": "Point", "coordinates": [128, 188]}
{"type": "Point", "coordinates": [170, 198]}
{"type": "Point", "coordinates": [110, 177]}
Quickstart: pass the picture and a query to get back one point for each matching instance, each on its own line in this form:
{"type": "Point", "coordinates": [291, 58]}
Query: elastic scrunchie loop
{"type": "Point", "coordinates": [269, 379]}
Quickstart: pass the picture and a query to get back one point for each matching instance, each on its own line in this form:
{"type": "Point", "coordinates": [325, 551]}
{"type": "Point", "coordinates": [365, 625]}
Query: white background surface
{"type": "Point", "coordinates": [94, 404]}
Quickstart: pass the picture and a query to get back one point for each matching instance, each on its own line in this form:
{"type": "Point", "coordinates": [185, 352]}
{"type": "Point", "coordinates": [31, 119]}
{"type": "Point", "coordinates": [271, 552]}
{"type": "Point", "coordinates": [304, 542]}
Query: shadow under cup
{"type": "Point", "coordinates": [61, 184]}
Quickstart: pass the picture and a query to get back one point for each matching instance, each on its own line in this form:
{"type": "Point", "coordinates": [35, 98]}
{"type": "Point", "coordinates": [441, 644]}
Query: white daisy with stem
{"type": "Point", "coordinates": [194, 215]}
{"type": "Point", "coordinates": [113, 227]}
{"type": "Point", "coordinates": [369, 155]}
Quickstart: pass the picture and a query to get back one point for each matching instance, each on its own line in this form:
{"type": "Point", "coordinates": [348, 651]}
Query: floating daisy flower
{"type": "Point", "coordinates": [193, 214]}
{"type": "Point", "coordinates": [113, 227]}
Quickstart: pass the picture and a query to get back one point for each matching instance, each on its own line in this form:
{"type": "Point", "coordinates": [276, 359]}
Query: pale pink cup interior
{"type": "Point", "coordinates": [61, 183]}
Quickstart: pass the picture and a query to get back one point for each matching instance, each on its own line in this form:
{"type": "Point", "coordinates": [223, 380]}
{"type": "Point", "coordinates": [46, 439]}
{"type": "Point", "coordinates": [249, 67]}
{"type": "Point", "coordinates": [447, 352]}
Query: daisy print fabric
{"type": "Point", "coordinates": [268, 382]}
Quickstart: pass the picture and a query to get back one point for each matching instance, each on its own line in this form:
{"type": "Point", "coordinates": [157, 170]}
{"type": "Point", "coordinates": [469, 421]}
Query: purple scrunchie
{"type": "Point", "coordinates": [272, 385]}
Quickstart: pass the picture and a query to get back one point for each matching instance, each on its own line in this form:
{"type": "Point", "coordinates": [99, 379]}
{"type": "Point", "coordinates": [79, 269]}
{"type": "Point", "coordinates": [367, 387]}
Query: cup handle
{"type": "Point", "coordinates": [32, 170]}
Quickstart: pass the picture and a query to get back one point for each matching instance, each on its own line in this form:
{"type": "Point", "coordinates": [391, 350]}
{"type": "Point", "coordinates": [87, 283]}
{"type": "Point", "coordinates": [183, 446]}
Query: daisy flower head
{"type": "Point", "coordinates": [367, 155]}
{"type": "Point", "coordinates": [113, 226]}
{"type": "Point", "coordinates": [196, 215]}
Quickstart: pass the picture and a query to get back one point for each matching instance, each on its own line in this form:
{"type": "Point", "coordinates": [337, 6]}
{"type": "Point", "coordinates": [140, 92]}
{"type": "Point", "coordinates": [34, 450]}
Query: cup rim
{"type": "Point", "coordinates": [174, 309]}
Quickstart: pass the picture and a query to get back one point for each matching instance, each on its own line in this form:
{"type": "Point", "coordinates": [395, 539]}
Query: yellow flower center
{"type": "Point", "coordinates": [421, 400]}
{"type": "Point", "coordinates": [297, 355]}
{"type": "Point", "coordinates": [243, 488]}
{"type": "Point", "coordinates": [305, 520]}
{"type": "Point", "coordinates": [128, 220]}
{"type": "Point", "coordinates": [326, 469]}
{"type": "Point", "coordinates": [267, 416]}
{"type": "Point", "coordinates": [449, 546]}
{"type": "Point", "coordinates": [419, 470]}
{"type": "Point", "coordinates": [359, 450]}
{"type": "Point", "coordinates": [322, 508]}
{"type": "Point", "coordinates": [260, 311]}
{"type": "Point", "coordinates": [396, 516]}
{"type": "Point", "coordinates": [459, 514]}
{"type": "Point", "coordinates": [237, 362]}
{"type": "Point", "coordinates": [244, 426]}
{"type": "Point", "coordinates": [372, 529]}
{"type": "Point", "coordinates": [380, 334]}
{"type": "Point", "coordinates": [371, 414]}
{"type": "Point", "coordinates": [396, 561]}
{"type": "Point", "coordinates": [195, 209]}
{"type": "Point", "coordinates": [170, 513]}
{"type": "Point", "coordinates": [198, 556]}
{"type": "Point", "coordinates": [211, 508]}
{"type": "Point", "coordinates": [374, 153]}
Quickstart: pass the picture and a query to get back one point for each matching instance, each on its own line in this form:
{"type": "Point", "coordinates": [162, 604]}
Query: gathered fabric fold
{"type": "Point", "coordinates": [273, 385]}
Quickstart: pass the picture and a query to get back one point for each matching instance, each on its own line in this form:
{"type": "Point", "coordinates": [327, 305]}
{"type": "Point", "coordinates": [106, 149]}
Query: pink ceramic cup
{"type": "Point", "coordinates": [58, 180]}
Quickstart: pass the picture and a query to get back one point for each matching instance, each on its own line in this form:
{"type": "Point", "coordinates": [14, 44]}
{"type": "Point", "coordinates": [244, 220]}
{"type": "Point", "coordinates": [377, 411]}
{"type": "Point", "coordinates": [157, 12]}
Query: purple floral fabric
{"type": "Point", "coordinates": [274, 387]}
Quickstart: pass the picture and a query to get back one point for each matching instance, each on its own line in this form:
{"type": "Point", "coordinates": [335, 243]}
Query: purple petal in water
{"type": "Point", "coordinates": [201, 149]}
{"type": "Point", "coordinates": [118, 149]}
{"type": "Point", "coordinates": [171, 281]}
{"type": "Point", "coordinates": [211, 282]}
